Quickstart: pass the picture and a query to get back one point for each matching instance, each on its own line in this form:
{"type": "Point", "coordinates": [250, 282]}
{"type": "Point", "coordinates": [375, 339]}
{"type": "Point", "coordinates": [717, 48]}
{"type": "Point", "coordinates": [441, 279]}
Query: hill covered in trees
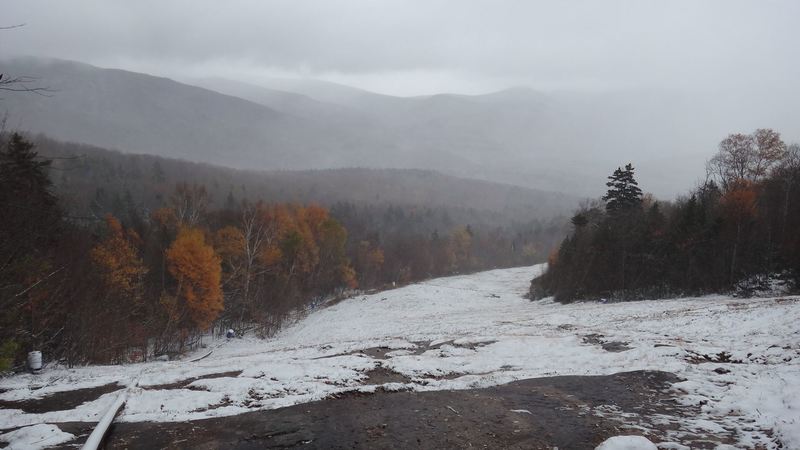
{"type": "Point", "coordinates": [111, 257]}
{"type": "Point", "coordinates": [736, 231]}
{"type": "Point", "coordinates": [92, 180]}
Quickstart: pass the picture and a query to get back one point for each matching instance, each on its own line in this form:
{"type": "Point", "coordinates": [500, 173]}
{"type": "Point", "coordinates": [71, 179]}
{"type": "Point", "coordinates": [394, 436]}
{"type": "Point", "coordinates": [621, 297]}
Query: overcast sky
{"type": "Point", "coordinates": [421, 47]}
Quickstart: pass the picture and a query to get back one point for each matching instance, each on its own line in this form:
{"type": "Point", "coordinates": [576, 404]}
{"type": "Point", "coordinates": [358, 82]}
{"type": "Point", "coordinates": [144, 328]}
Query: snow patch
{"type": "Point", "coordinates": [35, 437]}
{"type": "Point", "coordinates": [627, 443]}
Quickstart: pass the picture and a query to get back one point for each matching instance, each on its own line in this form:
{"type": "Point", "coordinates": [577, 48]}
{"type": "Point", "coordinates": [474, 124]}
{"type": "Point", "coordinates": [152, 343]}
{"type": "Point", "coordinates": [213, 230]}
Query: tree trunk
{"type": "Point", "coordinates": [786, 209]}
{"type": "Point", "coordinates": [735, 249]}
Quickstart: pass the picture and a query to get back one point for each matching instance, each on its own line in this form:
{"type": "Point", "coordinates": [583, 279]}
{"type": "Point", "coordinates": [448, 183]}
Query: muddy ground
{"type": "Point", "coordinates": [60, 400]}
{"type": "Point", "coordinates": [568, 412]}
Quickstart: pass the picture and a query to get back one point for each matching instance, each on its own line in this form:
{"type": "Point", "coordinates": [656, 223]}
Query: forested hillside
{"type": "Point", "coordinates": [401, 211]}
{"type": "Point", "coordinates": [737, 231]}
{"type": "Point", "coordinates": [94, 179]}
{"type": "Point", "coordinates": [114, 257]}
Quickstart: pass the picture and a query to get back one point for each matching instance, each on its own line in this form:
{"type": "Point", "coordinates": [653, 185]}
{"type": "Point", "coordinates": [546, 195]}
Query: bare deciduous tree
{"type": "Point", "coordinates": [747, 157]}
{"type": "Point", "coordinates": [770, 151]}
{"type": "Point", "coordinates": [189, 203]}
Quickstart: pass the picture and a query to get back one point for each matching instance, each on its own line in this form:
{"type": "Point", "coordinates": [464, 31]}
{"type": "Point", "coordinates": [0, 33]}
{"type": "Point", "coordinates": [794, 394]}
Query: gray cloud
{"type": "Point", "coordinates": [419, 47]}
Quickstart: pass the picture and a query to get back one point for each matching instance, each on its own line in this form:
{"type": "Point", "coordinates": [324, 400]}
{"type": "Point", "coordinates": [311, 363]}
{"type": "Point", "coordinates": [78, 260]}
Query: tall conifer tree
{"type": "Point", "coordinates": [623, 191]}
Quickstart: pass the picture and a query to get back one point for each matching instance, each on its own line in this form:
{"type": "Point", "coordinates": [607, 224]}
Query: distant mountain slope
{"type": "Point", "coordinates": [504, 136]}
{"type": "Point", "coordinates": [338, 94]}
{"type": "Point", "coordinates": [292, 103]}
{"type": "Point", "coordinates": [142, 113]}
{"type": "Point", "coordinates": [572, 140]}
{"type": "Point", "coordinates": [560, 142]}
{"type": "Point", "coordinates": [501, 137]}
{"type": "Point", "coordinates": [83, 174]}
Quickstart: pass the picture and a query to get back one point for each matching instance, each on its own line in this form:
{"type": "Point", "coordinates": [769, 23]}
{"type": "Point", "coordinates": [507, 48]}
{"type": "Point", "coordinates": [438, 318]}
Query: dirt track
{"type": "Point", "coordinates": [537, 413]}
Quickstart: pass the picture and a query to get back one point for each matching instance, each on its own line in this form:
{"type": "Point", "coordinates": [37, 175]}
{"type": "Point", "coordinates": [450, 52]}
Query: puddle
{"type": "Point", "coordinates": [382, 375]}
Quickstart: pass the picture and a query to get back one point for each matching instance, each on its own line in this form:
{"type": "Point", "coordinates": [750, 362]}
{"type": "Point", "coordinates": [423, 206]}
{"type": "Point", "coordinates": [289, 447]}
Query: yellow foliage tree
{"type": "Point", "coordinates": [461, 241]}
{"type": "Point", "coordinates": [118, 262]}
{"type": "Point", "coordinates": [300, 247]}
{"type": "Point", "coordinates": [369, 260]}
{"type": "Point", "coordinates": [196, 267]}
{"type": "Point", "coordinates": [335, 269]}
{"type": "Point", "coordinates": [229, 243]}
{"type": "Point", "coordinates": [165, 217]}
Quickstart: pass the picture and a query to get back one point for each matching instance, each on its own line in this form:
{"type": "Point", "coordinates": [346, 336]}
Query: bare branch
{"type": "Point", "coordinates": [39, 281]}
{"type": "Point", "coordinates": [23, 84]}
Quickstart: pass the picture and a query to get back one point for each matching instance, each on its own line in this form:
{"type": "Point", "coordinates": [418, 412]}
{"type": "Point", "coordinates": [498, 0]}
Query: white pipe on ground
{"type": "Point", "coordinates": [96, 438]}
{"type": "Point", "coordinates": [99, 432]}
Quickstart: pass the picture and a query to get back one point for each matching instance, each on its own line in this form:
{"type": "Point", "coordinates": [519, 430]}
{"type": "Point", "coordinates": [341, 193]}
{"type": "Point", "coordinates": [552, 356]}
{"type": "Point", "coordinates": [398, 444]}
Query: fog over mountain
{"type": "Point", "coordinates": [560, 140]}
{"type": "Point", "coordinates": [552, 95]}
{"type": "Point", "coordinates": [554, 141]}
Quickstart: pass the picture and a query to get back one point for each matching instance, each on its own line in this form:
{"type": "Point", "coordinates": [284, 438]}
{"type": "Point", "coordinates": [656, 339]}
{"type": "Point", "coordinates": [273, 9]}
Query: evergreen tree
{"type": "Point", "coordinates": [230, 201]}
{"type": "Point", "coordinates": [22, 174]}
{"type": "Point", "coordinates": [31, 211]}
{"type": "Point", "coordinates": [623, 191]}
{"type": "Point", "coordinates": [28, 233]}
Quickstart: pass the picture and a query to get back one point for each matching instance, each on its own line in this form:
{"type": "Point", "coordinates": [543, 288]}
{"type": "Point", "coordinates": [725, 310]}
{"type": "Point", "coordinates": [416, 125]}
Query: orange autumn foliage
{"type": "Point", "coordinates": [348, 276]}
{"type": "Point", "coordinates": [739, 202]}
{"type": "Point", "coordinates": [552, 258]}
{"type": "Point", "coordinates": [460, 242]}
{"type": "Point", "coordinates": [299, 245]}
{"type": "Point", "coordinates": [117, 260]}
{"type": "Point", "coordinates": [196, 267]}
{"type": "Point", "coordinates": [229, 242]}
{"type": "Point", "coordinates": [165, 217]}
{"type": "Point", "coordinates": [371, 258]}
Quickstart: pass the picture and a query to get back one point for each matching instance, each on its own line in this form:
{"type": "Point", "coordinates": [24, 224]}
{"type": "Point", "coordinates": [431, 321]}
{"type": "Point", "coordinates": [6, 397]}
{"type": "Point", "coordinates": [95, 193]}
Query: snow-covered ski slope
{"type": "Point", "coordinates": [473, 331]}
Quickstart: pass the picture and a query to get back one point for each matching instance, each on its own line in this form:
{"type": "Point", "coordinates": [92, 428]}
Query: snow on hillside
{"type": "Point", "coordinates": [740, 357]}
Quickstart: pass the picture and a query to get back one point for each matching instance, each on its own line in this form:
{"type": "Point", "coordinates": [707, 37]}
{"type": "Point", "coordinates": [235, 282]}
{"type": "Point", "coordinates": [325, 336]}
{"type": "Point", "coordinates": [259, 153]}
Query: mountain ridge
{"type": "Point", "coordinates": [80, 168]}
{"type": "Point", "coordinates": [553, 141]}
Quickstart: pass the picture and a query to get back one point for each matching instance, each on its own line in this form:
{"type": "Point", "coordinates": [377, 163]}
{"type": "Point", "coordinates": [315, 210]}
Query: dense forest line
{"type": "Point", "coordinates": [110, 260]}
{"type": "Point", "coordinates": [407, 214]}
{"type": "Point", "coordinates": [738, 231]}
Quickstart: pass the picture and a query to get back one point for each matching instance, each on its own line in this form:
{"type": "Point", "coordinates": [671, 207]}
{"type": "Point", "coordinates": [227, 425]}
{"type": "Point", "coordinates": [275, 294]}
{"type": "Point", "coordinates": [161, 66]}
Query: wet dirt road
{"type": "Point", "coordinates": [568, 412]}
